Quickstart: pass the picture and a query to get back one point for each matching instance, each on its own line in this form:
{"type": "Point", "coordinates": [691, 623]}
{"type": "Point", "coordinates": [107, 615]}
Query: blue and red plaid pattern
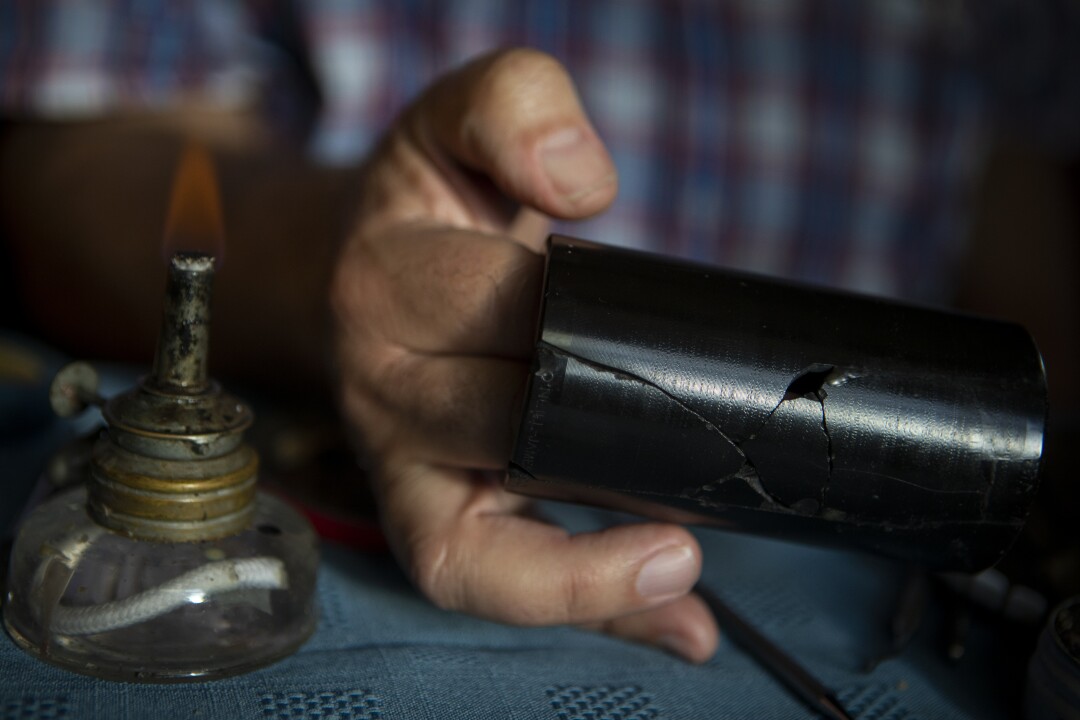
{"type": "Point", "coordinates": [831, 141]}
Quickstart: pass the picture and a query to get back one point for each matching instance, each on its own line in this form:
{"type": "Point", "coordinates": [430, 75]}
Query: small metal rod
{"type": "Point", "coordinates": [781, 665]}
{"type": "Point", "coordinates": [183, 348]}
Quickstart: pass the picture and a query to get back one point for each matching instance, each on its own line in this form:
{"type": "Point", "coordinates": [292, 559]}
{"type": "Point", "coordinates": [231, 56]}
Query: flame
{"type": "Point", "coordinates": [195, 220]}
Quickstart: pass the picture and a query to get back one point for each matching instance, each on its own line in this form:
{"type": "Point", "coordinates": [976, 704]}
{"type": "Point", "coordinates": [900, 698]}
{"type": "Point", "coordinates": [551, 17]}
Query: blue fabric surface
{"type": "Point", "coordinates": [382, 652]}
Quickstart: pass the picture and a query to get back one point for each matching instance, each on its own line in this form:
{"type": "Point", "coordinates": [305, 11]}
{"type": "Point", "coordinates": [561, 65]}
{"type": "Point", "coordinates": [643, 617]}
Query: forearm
{"type": "Point", "coordinates": [84, 208]}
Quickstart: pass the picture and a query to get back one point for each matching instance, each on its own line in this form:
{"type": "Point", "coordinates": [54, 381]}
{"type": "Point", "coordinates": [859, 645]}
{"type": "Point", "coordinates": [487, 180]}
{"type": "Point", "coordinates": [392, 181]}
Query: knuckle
{"type": "Point", "coordinates": [350, 284]}
{"type": "Point", "coordinates": [430, 569]}
{"type": "Point", "coordinates": [516, 82]}
{"type": "Point", "coordinates": [567, 600]}
{"type": "Point", "coordinates": [577, 597]}
{"type": "Point", "coordinates": [514, 65]}
{"type": "Point", "coordinates": [362, 412]}
{"type": "Point", "coordinates": [368, 399]}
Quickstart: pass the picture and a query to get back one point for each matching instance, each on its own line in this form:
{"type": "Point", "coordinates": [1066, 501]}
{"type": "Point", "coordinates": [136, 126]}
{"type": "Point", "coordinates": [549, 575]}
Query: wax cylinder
{"type": "Point", "coordinates": [688, 393]}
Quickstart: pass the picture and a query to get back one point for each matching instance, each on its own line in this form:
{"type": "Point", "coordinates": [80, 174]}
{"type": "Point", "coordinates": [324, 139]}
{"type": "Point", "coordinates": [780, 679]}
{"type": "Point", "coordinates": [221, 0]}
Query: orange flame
{"type": "Point", "coordinates": [195, 219]}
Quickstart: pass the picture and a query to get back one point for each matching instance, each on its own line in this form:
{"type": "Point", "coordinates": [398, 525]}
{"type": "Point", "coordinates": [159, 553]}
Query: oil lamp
{"type": "Point", "coordinates": [167, 564]}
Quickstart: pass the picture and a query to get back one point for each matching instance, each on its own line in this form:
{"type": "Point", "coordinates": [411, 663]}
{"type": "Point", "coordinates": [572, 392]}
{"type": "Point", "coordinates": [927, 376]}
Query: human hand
{"type": "Point", "coordinates": [435, 296]}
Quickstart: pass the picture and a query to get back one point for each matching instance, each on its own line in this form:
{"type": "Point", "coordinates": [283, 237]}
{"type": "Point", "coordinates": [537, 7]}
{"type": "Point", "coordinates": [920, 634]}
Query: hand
{"type": "Point", "coordinates": [435, 296]}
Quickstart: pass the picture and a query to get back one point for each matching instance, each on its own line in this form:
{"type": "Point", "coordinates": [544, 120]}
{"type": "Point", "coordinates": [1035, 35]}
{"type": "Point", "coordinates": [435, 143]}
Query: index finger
{"type": "Point", "coordinates": [443, 291]}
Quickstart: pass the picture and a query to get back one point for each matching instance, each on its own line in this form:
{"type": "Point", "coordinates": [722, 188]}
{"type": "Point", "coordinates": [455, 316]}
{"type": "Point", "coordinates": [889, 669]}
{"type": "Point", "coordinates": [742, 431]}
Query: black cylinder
{"type": "Point", "coordinates": [687, 393]}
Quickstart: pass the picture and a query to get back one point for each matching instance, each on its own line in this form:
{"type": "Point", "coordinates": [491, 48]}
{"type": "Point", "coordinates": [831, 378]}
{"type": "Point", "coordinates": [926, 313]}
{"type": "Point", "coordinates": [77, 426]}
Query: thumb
{"type": "Point", "coordinates": [515, 117]}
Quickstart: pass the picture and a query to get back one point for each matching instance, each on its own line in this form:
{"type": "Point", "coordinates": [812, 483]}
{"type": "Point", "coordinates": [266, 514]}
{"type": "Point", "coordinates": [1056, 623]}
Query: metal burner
{"type": "Point", "coordinates": [167, 565]}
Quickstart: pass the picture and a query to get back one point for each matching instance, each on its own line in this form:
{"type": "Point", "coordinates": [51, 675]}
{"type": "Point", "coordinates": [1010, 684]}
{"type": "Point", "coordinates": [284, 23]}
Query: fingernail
{"type": "Point", "coordinates": [576, 163]}
{"type": "Point", "coordinates": [669, 573]}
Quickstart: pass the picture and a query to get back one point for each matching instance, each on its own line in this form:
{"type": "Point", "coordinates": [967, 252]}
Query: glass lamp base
{"type": "Point", "coordinates": [100, 603]}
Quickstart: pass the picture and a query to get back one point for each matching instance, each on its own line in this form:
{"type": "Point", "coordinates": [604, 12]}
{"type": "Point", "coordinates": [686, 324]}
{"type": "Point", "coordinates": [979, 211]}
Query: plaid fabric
{"type": "Point", "coordinates": [831, 141]}
{"type": "Point", "coordinates": [65, 59]}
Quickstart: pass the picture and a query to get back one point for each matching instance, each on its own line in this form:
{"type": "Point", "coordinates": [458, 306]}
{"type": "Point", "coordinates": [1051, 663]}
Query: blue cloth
{"type": "Point", "coordinates": [381, 652]}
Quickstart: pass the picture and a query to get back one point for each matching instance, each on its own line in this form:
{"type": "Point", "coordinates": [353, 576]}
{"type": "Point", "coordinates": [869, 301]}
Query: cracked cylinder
{"type": "Point", "coordinates": [686, 393]}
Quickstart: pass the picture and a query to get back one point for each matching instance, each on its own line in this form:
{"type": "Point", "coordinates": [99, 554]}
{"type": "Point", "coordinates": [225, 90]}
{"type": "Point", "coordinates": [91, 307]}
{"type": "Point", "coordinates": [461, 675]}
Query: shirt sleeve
{"type": "Point", "coordinates": [62, 59]}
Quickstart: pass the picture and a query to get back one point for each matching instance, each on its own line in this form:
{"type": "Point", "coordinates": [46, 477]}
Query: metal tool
{"type": "Point", "coordinates": [781, 665]}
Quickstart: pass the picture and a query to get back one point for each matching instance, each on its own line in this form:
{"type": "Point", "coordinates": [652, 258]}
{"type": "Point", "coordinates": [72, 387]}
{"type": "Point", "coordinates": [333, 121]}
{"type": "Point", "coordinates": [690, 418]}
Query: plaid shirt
{"type": "Point", "coordinates": [830, 141]}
